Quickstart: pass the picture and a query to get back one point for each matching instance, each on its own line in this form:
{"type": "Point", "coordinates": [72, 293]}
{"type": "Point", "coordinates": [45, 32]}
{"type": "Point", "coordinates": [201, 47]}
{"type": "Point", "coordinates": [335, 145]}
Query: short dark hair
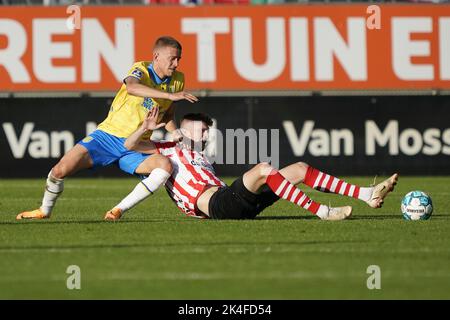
{"type": "Point", "coordinates": [198, 117]}
{"type": "Point", "coordinates": [167, 41]}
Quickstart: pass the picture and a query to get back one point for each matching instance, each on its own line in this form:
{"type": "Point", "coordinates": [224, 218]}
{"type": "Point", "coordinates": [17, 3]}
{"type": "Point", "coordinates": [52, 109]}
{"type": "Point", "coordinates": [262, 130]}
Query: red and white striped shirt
{"type": "Point", "coordinates": [192, 174]}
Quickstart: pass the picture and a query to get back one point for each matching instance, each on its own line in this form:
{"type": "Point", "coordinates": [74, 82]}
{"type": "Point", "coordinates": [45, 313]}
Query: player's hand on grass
{"type": "Point", "coordinates": [151, 120]}
{"type": "Point", "coordinates": [182, 95]}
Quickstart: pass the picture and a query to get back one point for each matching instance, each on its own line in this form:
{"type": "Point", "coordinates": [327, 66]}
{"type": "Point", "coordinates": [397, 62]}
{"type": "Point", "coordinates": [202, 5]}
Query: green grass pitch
{"type": "Point", "coordinates": [156, 252]}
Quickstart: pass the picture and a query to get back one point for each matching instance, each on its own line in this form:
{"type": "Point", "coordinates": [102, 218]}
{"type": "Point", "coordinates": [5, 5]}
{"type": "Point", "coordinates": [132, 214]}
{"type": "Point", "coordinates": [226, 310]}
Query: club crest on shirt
{"type": "Point", "coordinates": [87, 139]}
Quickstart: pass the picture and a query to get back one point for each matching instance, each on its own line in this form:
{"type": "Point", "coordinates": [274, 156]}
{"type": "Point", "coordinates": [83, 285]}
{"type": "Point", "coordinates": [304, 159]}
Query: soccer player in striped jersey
{"type": "Point", "coordinates": [148, 84]}
{"type": "Point", "coordinates": [191, 172]}
{"type": "Point", "coordinates": [196, 190]}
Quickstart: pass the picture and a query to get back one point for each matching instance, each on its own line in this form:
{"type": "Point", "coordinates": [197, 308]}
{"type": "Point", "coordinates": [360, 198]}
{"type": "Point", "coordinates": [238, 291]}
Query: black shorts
{"type": "Point", "coordinates": [236, 202]}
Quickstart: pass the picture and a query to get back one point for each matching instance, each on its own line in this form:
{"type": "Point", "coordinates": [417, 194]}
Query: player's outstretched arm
{"type": "Point", "coordinates": [134, 141]}
{"type": "Point", "coordinates": [182, 95]}
{"type": "Point", "coordinates": [171, 126]}
{"type": "Point", "coordinates": [135, 88]}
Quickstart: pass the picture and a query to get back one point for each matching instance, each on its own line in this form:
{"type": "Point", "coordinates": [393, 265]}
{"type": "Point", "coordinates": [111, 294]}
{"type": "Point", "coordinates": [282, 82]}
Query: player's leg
{"type": "Point", "coordinates": [263, 173]}
{"type": "Point", "coordinates": [158, 169]}
{"type": "Point", "coordinates": [97, 149]}
{"type": "Point", "coordinates": [373, 196]}
{"type": "Point", "coordinates": [74, 160]}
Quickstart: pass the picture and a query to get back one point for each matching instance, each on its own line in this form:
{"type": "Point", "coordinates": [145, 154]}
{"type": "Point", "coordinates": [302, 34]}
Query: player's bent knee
{"type": "Point", "coordinates": [59, 171]}
{"type": "Point", "coordinates": [76, 159]}
{"type": "Point", "coordinates": [264, 169]}
{"type": "Point", "coordinates": [263, 165]}
{"type": "Point", "coordinates": [165, 164]}
{"type": "Point", "coordinates": [162, 162]}
{"type": "Point", "coordinates": [153, 162]}
{"type": "Point", "coordinates": [303, 165]}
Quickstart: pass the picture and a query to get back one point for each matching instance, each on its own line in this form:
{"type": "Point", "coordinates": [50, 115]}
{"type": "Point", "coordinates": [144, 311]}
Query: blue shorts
{"type": "Point", "coordinates": [106, 149]}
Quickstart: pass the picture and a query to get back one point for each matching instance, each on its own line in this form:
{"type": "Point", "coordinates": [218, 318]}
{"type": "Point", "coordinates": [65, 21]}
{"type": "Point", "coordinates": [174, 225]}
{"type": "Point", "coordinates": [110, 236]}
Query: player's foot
{"type": "Point", "coordinates": [381, 190]}
{"type": "Point", "coordinates": [113, 214]}
{"type": "Point", "coordinates": [35, 214]}
{"type": "Point", "coordinates": [338, 213]}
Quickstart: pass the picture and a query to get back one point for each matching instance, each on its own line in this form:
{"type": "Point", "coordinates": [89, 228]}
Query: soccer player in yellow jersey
{"type": "Point", "coordinates": [148, 87]}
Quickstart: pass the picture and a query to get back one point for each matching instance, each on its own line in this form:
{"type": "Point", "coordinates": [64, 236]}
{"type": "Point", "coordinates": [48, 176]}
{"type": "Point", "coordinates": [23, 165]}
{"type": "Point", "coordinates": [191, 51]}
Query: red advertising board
{"type": "Point", "coordinates": [314, 47]}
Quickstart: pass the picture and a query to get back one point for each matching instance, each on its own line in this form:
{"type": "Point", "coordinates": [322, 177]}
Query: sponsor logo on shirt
{"type": "Point", "coordinates": [201, 163]}
{"type": "Point", "coordinates": [137, 73]}
{"type": "Point", "coordinates": [147, 103]}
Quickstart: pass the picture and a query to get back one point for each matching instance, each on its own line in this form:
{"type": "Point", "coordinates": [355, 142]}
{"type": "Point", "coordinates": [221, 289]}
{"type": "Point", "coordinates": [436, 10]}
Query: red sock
{"type": "Point", "coordinates": [326, 183]}
{"type": "Point", "coordinates": [286, 190]}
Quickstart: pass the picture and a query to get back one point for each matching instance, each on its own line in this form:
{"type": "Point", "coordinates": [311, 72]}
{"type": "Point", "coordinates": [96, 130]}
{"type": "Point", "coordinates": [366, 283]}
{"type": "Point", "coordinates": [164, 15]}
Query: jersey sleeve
{"type": "Point", "coordinates": [137, 71]}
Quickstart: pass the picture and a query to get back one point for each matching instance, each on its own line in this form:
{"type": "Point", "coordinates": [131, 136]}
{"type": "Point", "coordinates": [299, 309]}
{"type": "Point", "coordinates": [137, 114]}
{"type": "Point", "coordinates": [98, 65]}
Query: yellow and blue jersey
{"type": "Point", "coordinates": [127, 111]}
{"type": "Point", "coordinates": [106, 144]}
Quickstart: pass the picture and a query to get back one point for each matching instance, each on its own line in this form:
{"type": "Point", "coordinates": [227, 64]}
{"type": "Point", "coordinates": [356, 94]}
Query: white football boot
{"type": "Point", "coordinates": [338, 213]}
{"type": "Point", "coordinates": [381, 190]}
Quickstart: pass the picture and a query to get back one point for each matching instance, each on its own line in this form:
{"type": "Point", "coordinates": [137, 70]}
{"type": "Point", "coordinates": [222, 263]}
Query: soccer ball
{"type": "Point", "coordinates": [416, 205]}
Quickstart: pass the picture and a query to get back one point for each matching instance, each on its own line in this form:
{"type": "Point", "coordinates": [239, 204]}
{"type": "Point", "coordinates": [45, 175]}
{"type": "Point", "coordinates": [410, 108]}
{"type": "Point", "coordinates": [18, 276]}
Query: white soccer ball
{"type": "Point", "coordinates": [416, 205]}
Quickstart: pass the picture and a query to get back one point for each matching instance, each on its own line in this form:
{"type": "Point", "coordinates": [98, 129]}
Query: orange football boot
{"type": "Point", "coordinates": [35, 214]}
{"type": "Point", "coordinates": [113, 214]}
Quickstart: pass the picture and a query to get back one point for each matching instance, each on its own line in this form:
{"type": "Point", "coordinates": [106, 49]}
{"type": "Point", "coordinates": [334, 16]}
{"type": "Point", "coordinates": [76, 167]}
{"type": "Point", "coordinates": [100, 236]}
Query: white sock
{"type": "Point", "coordinates": [322, 213]}
{"type": "Point", "coordinates": [365, 193]}
{"type": "Point", "coordinates": [145, 188]}
{"type": "Point", "coordinates": [53, 189]}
